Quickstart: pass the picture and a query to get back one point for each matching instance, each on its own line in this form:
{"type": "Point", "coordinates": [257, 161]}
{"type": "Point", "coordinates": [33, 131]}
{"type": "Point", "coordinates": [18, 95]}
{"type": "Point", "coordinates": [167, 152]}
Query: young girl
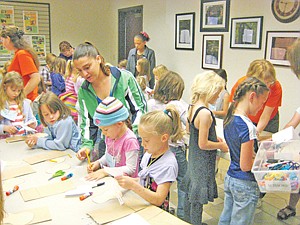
{"type": "Point", "coordinates": [122, 146]}
{"type": "Point", "coordinates": [159, 166]}
{"type": "Point", "coordinates": [199, 183]}
{"type": "Point", "coordinates": [158, 71]}
{"type": "Point", "coordinates": [57, 71]}
{"type": "Point", "coordinates": [59, 125]}
{"type": "Point", "coordinates": [143, 69]}
{"type": "Point", "coordinates": [15, 109]}
{"type": "Point", "coordinates": [168, 91]}
{"type": "Point", "coordinates": [240, 187]}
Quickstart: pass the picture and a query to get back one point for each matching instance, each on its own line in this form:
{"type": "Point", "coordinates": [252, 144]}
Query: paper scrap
{"type": "Point", "coordinates": [113, 171]}
{"type": "Point", "coordinates": [45, 156]}
{"type": "Point", "coordinates": [21, 218]}
{"type": "Point", "coordinates": [17, 171]}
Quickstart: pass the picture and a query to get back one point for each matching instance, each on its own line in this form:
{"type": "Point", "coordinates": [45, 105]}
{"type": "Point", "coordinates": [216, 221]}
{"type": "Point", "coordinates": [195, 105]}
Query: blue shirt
{"type": "Point", "coordinates": [238, 131]}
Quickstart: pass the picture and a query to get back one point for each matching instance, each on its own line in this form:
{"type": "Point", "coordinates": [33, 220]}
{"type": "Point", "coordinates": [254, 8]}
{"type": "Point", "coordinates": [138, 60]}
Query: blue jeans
{"type": "Point", "coordinates": [240, 201]}
{"type": "Point", "coordinates": [182, 167]}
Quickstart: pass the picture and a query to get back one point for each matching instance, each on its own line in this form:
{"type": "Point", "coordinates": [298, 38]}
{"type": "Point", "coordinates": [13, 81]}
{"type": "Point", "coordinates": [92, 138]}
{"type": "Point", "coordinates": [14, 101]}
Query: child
{"type": "Point", "coordinates": [158, 71]}
{"type": "Point", "coordinates": [143, 85]}
{"type": "Point", "coordinates": [240, 187]}
{"type": "Point", "coordinates": [57, 71]}
{"type": "Point", "coordinates": [159, 166]}
{"type": "Point", "coordinates": [45, 72]}
{"type": "Point", "coordinates": [3, 70]}
{"type": "Point", "coordinates": [59, 125]}
{"type": "Point", "coordinates": [143, 69]}
{"type": "Point", "coordinates": [122, 146]}
{"type": "Point", "coordinates": [168, 91]}
{"type": "Point", "coordinates": [15, 109]}
{"type": "Point", "coordinates": [122, 64]}
{"type": "Point", "coordinates": [199, 183]}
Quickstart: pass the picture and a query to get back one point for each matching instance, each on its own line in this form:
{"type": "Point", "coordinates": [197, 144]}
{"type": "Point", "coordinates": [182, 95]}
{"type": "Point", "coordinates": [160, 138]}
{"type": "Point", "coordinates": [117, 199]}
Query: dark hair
{"type": "Point", "coordinates": [222, 73]}
{"type": "Point", "coordinates": [250, 84]}
{"type": "Point", "coordinates": [143, 35]}
{"type": "Point", "coordinates": [87, 49]}
{"type": "Point", "coordinates": [64, 46]}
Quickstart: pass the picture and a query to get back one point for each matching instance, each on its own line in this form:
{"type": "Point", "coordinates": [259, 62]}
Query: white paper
{"type": "Point", "coordinates": [113, 171]}
{"type": "Point", "coordinates": [132, 219]}
{"type": "Point", "coordinates": [284, 135]}
{"type": "Point", "coordinates": [9, 114]}
{"type": "Point", "coordinates": [80, 190]}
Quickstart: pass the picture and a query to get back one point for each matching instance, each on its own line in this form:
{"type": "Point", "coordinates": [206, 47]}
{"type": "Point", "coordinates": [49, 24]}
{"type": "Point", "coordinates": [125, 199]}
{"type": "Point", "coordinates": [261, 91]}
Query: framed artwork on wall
{"type": "Point", "coordinates": [214, 15]}
{"type": "Point", "coordinates": [277, 44]}
{"type": "Point", "coordinates": [246, 32]}
{"type": "Point", "coordinates": [184, 31]}
{"type": "Point", "coordinates": [212, 51]}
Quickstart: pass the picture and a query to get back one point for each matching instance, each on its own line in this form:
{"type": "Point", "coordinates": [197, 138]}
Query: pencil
{"type": "Point", "coordinates": [88, 158]}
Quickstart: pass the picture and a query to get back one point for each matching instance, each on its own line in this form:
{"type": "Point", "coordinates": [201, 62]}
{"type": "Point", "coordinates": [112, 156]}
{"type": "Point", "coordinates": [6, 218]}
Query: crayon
{"type": "Point", "coordinates": [86, 195]}
{"type": "Point", "coordinates": [67, 177]}
{"type": "Point", "coordinates": [12, 191]}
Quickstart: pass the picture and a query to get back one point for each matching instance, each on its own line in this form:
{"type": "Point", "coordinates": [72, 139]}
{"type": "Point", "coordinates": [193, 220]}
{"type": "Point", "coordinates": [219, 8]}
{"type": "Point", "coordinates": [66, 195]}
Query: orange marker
{"type": "Point", "coordinates": [86, 195]}
{"type": "Point", "coordinates": [8, 193]}
{"type": "Point", "coordinates": [67, 177]}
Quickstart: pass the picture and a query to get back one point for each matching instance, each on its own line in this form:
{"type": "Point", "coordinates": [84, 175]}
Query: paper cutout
{"type": "Point", "coordinates": [113, 171]}
{"type": "Point", "coordinates": [16, 172]}
{"type": "Point", "coordinates": [9, 114]}
{"type": "Point", "coordinates": [9, 184]}
{"type": "Point", "coordinates": [45, 156]}
{"type": "Point", "coordinates": [59, 166]}
{"type": "Point", "coordinates": [15, 139]}
{"type": "Point", "coordinates": [46, 190]}
{"type": "Point", "coordinates": [79, 191]}
{"type": "Point", "coordinates": [18, 218]}
{"type": "Point", "coordinates": [132, 219]}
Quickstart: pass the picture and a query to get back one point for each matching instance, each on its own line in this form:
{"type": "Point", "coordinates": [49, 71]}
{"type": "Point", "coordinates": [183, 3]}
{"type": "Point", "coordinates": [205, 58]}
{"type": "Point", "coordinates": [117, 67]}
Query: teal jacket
{"type": "Point", "coordinates": [123, 87]}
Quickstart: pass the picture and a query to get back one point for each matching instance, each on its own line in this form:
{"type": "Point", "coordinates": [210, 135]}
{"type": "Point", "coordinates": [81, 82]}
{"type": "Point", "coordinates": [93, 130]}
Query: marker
{"type": "Point", "coordinates": [86, 195]}
{"type": "Point", "coordinates": [67, 177]}
{"type": "Point", "coordinates": [98, 185]}
{"type": "Point", "coordinates": [12, 191]}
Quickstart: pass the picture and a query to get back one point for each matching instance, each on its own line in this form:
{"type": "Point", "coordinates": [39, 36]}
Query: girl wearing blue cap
{"type": "Point", "coordinates": [122, 146]}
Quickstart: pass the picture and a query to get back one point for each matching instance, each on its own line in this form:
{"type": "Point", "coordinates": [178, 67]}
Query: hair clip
{"type": "Point", "coordinates": [168, 113]}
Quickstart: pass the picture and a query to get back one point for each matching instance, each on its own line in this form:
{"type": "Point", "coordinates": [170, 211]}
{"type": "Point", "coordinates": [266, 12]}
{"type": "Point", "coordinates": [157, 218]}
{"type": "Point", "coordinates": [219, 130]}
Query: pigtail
{"type": "Point", "coordinates": [177, 131]}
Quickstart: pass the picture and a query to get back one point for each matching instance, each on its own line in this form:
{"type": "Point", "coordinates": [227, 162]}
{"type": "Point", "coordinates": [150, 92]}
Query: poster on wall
{"type": "Point", "coordinates": [7, 15]}
{"type": "Point", "coordinates": [30, 22]}
{"type": "Point", "coordinates": [4, 53]}
{"type": "Point", "coordinates": [38, 43]}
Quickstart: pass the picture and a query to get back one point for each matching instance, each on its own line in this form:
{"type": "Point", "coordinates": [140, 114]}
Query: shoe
{"type": "Point", "coordinates": [285, 213]}
{"type": "Point", "coordinates": [259, 202]}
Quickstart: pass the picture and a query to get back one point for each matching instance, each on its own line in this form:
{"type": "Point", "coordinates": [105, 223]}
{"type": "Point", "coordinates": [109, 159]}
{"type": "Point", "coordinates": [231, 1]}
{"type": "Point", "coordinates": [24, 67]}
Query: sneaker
{"type": "Point", "coordinates": [258, 205]}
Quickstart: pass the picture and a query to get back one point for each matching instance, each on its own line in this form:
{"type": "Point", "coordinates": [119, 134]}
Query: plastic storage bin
{"type": "Point", "coordinates": [272, 154]}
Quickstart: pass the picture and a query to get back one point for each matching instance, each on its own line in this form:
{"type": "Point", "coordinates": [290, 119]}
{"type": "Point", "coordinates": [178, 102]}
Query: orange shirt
{"type": "Point", "coordinates": [274, 99]}
{"type": "Point", "coordinates": [23, 63]}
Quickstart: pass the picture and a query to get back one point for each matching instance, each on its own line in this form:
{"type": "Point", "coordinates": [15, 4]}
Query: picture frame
{"type": "Point", "coordinates": [277, 43]}
{"type": "Point", "coordinates": [246, 32]}
{"type": "Point", "coordinates": [214, 15]}
{"type": "Point", "coordinates": [184, 31]}
{"type": "Point", "coordinates": [212, 51]}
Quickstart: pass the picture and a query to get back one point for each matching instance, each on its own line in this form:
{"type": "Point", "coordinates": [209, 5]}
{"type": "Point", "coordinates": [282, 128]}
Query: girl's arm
{"type": "Point", "coordinates": [223, 112]}
{"type": "Point", "coordinates": [247, 153]}
{"type": "Point", "coordinates": [264, 118]}
{"type": "Point", "coordinates": [34, 81]}
{"type": "Point", "coordinates": [131, 162]}
{"type": "Point", "coordinates": [294, 122]}
{"type": "Point", "coordinates": [155, 198]}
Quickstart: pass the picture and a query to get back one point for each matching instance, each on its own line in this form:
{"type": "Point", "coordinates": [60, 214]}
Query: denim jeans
{"type": "Point", "coordinates": [240, 201]}
{"type": "Point", "coordinates": [182, 167]}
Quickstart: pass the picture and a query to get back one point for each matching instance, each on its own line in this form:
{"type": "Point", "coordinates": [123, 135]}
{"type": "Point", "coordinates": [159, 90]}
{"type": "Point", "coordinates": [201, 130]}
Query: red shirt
{"type": "Point", "coordinates": [23, 63]}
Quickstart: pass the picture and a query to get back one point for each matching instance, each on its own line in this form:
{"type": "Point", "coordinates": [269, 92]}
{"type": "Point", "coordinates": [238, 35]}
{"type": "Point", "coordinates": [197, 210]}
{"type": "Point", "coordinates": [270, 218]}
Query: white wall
{"type": "Point", "coordinates": [97, 21]}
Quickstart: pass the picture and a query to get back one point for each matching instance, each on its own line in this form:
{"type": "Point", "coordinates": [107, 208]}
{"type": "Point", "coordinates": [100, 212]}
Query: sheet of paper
{"type": "Point", "coordinates": [80, 190]}
{"type": "Point", "coordinates": [21, 218]}
{"type": "Point", "coordinates": [114, 171]}
{"type": "Point", "coordinates": [166, 219]}
{"type": "Point", "coordinates": [15, 139]}
{"type": "Point", "coordinates": [17, 171]}
{"type": "Point", "coordinates": [47, 190]}
{"type": "Point", "coordinates": [285, 135]}
{"type": "Point", "coordinates": [132, 219]}
{"type": "Point", "coordinates": [150, 212]}
{"type": "Point", "coordinates": [45, 156]}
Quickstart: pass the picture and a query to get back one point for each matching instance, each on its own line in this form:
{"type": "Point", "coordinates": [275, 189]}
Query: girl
{"type": "Point", "coordinates": [15, 109]}
{"type": "Point", "coordinates": [158, 71]}
{"type": "Point", "coordinates": [57, 71]}
{"type": "Point", "coordinates": [159, 166]}
{"type": "Point", "coordinates": [168, 91]}
{"type": "Point", "coordinates": [143, 85]}
{"type": "Point", "coordinates": [199, 183]}
{"type": "Point", "coordinates": [122, 146]}
{"type": "Point", "coordinates": [25, 60]}
{"type": "Point", "coordinates": [143, 69]}
{"type": "Point", "coordinates": [59, 125]}
{"type": "Point", "coordinates": [240, 187]}
{"type": "Point", "coordinates": [141, 50]}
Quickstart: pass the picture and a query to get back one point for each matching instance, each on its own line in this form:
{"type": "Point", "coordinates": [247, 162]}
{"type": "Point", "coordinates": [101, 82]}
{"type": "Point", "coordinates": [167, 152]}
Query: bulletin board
{"type": "Point", "coordinates": [31, 17]}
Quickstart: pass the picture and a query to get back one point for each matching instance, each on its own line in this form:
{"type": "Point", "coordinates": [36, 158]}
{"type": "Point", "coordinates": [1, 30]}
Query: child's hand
{"type": "Point", "coordinates": [32, 125]}
{"type": "Point", "coordinates": [31, 141]}
{"type": "Point", "coordinates": [10, 129]}
{"type": "Point", "coordinates": [126, 182]}
{"type": "Point", "coordinates": [223, 147]}
{"type": "Point", "coordinates": [93, 167]}
{"type": "Point", "coordinates": [81, 154]}
{"type": "Point", "coordinates": [96, 175]}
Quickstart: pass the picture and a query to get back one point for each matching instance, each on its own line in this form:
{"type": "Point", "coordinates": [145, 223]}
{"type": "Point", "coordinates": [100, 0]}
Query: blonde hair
{"type": "Point", "coordinates": [205, 86]}
{"type": "Point", "coordinates": [159, 70]}
{"type": "Point", "coordinates": [71, 70]}
{"type": "Point", "coordinates": [3, 70]}
{"type": "Point", "coordinates": [16, 37]}
{"type": "Point", "coordinates": [142, 82]}
{"type": "Point", "coordinates": [145, 68]}
{"type": "Point", "coordinates": [59, 66]}
{"type": "Point", "coordinates": [293, 55]}
{"type": "Point", "coordinates": [50, 57]}
{"type": "Point", "coordinates": [54, 104]}
{"type": "Point", "coordinates": [122, 63]}
{"type": "Point", "coordinates": [261, 69]}
{"type": "Point", "coordinates": [163, 122]}
{"type": "Point", "coordinates": [12, 79]}
{"type": "Point", "coordinates": [169, 87]}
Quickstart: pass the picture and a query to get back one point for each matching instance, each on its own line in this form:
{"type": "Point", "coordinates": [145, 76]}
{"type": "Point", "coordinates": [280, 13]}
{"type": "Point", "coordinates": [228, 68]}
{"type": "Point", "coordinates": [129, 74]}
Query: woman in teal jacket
{"type": "Point", "coordinates": [100, 82]}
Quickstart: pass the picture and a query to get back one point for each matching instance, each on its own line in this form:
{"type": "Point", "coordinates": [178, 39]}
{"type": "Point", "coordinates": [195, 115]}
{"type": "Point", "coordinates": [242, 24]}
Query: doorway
{"type": "Point", "coordinates": [130, 24]}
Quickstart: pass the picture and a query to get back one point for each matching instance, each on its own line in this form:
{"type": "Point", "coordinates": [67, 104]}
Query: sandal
{"type": "Point", "coordinates": [285, 213]}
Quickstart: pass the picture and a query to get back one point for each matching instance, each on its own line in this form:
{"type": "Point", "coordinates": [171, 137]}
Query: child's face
{"type": "Point", "coordinates": [49, 117]}
{"type": "Point", "coordinates": [214, 98]}
{"type": "Point", "coordinates": [13, 91]}
{"type": "Point", "coordinates": [258, 102]}
{"type": "Point", "coordinates": [112, 131]}
{"type": "Point", "coordinates": [138, 67]}
{"type": "Point", "coordinates": [139, 44]}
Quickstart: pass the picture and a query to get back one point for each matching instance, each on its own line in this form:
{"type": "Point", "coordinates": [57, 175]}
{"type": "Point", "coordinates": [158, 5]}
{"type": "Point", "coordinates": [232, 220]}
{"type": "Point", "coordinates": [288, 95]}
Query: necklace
{"type": "Point", "coordinates": [153, 160]}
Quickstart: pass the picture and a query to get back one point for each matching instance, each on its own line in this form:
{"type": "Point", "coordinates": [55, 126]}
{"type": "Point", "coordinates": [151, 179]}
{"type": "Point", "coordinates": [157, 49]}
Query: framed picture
{"type": "Point", "coordinates": [214, 15]}
{"type": "Point", "coordinates": [246, 32]}
{"type": "Point", "coordinates": [184, 31]}
{"type": "Point", "coordinates": [277, 44]}
{"type": "Point", "coordinates": [212, 51]}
